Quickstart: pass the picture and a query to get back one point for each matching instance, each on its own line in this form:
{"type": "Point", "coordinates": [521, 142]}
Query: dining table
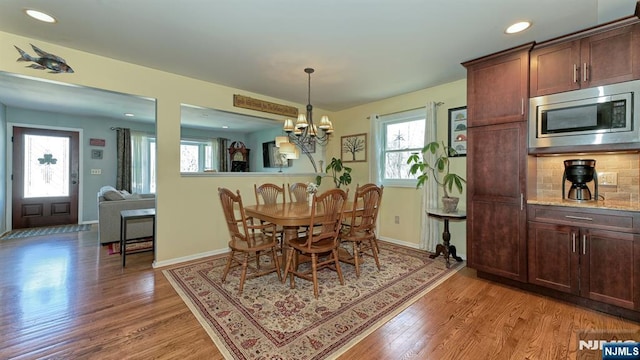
{"type": "Point", "coordinates": [291, 216]}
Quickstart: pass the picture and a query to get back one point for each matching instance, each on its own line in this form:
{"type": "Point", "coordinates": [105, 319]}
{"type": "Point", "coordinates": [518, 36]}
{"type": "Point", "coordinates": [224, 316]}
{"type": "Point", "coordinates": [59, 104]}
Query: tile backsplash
{"type": "Point", "coordinates": [627, 166]}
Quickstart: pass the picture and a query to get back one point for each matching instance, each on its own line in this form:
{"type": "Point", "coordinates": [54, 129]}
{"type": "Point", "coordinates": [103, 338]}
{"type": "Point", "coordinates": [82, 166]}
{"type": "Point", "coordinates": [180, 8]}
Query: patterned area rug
{"type": "Point", "coordinates": [114, 248]}
{"type": "Point", "coordinates": [271, 321]}
{"type": "Point", "coordinates": [43, 231]}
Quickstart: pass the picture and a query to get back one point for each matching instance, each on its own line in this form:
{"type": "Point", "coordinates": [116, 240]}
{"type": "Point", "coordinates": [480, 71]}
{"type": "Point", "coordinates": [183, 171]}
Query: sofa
{"type": "Point", "coordinates": [110, 203]}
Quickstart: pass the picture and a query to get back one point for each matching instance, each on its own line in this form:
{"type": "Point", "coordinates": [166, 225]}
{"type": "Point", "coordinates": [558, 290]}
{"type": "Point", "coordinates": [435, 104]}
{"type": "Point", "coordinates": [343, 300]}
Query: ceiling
{"type": "Point", "coordinates": [362, 50]}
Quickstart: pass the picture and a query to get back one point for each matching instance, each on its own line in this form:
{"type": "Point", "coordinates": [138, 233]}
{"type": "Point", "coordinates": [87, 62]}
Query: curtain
{"type": "Point", "coordinates": [123, 171]}
{"type": "Point", "coordinates": [375, 149]}
{"type": "Point", "coordinates": [430, 232]}
{"type": "Point", "coordinates": [223, 159]}
{"type": "Point", "coordinates": [142, 164]}
{"type": "Point", "coordinates": [215, 155]}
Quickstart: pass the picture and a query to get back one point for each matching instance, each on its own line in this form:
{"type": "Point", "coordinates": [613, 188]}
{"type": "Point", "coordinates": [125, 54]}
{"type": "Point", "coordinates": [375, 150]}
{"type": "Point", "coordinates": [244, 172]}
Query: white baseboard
{"type": "Point", "coordinates": [157, 264]}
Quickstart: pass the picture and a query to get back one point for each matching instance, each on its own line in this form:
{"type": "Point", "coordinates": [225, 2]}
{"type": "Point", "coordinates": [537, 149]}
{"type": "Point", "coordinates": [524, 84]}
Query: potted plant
{"type": "Point", "coordinates": [439, 169]}
{"type": "Point", "coordinates": [341, 174]}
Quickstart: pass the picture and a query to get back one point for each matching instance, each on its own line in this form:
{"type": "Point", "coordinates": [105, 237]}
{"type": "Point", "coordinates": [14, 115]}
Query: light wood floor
{"type": "Point", "coordinates": [64, 297]}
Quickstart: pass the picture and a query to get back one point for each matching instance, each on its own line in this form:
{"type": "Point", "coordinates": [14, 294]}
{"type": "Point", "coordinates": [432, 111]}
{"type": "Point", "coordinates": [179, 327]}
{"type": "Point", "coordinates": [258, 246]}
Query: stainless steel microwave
{"type": "Point", "coordinates": [602, 115]}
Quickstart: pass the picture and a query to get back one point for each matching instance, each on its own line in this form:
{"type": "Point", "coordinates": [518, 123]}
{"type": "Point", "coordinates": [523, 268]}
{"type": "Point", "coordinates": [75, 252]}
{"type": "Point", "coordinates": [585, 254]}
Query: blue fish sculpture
{"type": "Point", "coordinates": [46, 61]}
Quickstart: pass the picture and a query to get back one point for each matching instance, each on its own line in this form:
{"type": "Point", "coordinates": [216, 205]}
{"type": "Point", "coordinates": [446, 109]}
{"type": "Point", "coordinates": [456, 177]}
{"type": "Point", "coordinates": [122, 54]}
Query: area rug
{"type": "Point", "coordinates": [271, 321]}
{"type": "Point", "coordinates": [114, 248]}
{"type": "Point", "coordinates": [44, 231]}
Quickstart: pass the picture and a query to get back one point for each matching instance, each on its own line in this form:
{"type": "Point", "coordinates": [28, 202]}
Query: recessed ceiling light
{"type": "Point", "coordinates": [518, 27]}
{"type": "Point", "coordinates": [129, 115]}
{"type": "Point", "coordinates": [225, 127]}
{"type": "Point", "coordinates": [39, 15]}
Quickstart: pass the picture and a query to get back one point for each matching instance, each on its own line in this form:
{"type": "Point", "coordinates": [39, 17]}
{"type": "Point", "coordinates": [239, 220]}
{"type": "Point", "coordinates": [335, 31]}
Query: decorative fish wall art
{"type": "Point", "coordinates": [45, 61]}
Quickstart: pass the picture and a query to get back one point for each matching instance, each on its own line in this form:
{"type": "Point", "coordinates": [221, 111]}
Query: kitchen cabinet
{"type": "Point", "coordinates": [497, 93]}
{"type": "Point", "coordinates": [496, 216]}
{"type": "Point", "coordinates": [590, 253]}
{"type": "Point", "coordinates": [498, 87]}
{"type": "Point", "coordinates": [582, 61]}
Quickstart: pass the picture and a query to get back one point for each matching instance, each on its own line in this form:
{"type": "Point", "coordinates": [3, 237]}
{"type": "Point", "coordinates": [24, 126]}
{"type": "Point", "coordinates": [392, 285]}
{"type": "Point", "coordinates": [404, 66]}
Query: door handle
{"type": "Point", "coordinates": [575, 73]}
{"type": "Point", "coordinates": [573, 240]}
{"type": "Point", "coordinates": [584, 244]}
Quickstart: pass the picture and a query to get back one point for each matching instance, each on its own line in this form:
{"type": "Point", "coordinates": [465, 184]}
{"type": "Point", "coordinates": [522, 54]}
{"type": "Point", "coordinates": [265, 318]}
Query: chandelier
{"type": "Point", "coordinates": [304, 130]}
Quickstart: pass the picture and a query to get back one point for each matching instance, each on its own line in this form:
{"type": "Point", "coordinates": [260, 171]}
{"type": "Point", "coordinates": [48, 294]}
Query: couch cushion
{"type": "Point", "coordinates": [106, 188]}
{"type": "Point", "coordinates": [113, 195]}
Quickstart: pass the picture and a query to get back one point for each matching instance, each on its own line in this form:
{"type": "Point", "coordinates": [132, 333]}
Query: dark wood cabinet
{"type": "Point", "coordinates": [497, 93]}
{"type": "Point", "coordinates": [498, 87]}
{"type": "Point", "coordinates": [496, 216]}
{"type": "Point", "coordinates": [579, 252]}
{"type": "Point", "coordinates": [581, 62]}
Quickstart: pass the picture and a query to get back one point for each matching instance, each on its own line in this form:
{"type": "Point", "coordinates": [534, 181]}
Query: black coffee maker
{"type": "Point", "coordinates": [580, 172]}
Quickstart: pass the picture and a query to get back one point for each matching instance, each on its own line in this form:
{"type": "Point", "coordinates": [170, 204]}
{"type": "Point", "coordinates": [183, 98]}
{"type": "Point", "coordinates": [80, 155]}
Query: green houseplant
{"type": "Point", "coordinates": [341, 174]}
{"type": "Point", "coordinates": [439, 169]}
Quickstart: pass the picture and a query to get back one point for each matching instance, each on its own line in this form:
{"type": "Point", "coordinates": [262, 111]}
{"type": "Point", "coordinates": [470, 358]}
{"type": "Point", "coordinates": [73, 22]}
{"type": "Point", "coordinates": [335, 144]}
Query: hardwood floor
{"type": "Point", "coordinates": [64, 297]}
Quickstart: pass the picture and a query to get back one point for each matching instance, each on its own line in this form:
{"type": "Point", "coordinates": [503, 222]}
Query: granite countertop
{"type": "Point", "coordinates": [600, 204]}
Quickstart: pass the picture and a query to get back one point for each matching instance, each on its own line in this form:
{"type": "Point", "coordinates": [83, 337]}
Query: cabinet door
{"type": "Point", "coordinates": [555, 68]}
{"type": "Point", "coordinates": [553, 256]}
{"type": "Point", "coordinates": [498, 88]}
{"type": "Point", "coordinates": [496, 221]}
{"type": "Point", "coordinates": [610, 267]}
{"type": "Point", "coordinates": [609, 57]}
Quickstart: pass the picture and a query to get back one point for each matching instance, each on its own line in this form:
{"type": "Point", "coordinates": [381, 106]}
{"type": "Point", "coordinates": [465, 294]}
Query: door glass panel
{"type": "Point", "coordinates": [46, 166]}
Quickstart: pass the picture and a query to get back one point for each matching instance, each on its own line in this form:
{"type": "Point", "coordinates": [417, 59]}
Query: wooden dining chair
{"type": "Point", "coordinates": [270, 194]}
{"type": "Point", "coordinates": [247, 240]}
{"type": "Point", "coordinates": [321, 239]}
{"type": "Point", "coordinates": [361, 231]}
{"type": "Point", "coordinates": [297, 192]}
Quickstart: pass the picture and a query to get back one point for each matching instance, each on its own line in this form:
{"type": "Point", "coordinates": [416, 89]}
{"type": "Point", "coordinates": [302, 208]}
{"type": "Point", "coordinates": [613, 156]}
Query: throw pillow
{"type": "Point", "coordinates": [113, 195]}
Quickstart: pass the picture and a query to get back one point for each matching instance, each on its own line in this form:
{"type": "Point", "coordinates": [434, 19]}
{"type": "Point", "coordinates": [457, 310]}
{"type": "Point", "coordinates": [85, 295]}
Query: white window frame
{"type": "Point", "coordinates": [383, 122]}
{"type": "Point", "coordinates": [202, 144]}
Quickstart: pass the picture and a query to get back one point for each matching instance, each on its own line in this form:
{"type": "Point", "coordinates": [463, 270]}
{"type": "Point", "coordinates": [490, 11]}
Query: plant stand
{"type": "Point", "coordinates": [445, 247]}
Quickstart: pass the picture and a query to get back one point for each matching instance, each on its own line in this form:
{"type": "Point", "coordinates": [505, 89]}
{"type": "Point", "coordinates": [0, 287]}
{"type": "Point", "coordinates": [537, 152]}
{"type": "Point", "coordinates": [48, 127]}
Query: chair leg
{"type": "Point", "coordinates": [338, 269]}
{"type": "Point", "coordinates": [374, 250]}
{"type": "Point", "coordinates": [226, 269]}
{"type": "Point", "coordinates": [314, 274]}
{"type": "Point", "coordinates": [245, 264]}
{"type": "Point", "coordinates": [274, 257]}
{"type": "Point", "coordinates": [356, 258]}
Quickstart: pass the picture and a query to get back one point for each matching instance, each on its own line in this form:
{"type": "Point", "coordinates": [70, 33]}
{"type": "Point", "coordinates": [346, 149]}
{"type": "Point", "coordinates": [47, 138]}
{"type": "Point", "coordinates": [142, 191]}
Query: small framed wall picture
{"type": "Point", "coordinates": [354, 148]}
{"type": "Point", "coordinates": [458, 131]}
{"type": "Point", "coordinates": [96, 154]}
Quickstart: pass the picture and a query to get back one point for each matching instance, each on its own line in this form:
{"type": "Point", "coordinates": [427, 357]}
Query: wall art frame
{"type": "Point", "coordinates": [353, 148]}
{"type": "Point", "coordinates": [458, 131]}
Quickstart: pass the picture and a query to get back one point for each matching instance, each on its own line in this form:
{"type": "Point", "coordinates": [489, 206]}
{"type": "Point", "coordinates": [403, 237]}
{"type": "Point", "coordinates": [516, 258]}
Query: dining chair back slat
{"type": "Point", "coordinates": [298, 192]}
{"type": "Point", "coordinates": [269, 193]}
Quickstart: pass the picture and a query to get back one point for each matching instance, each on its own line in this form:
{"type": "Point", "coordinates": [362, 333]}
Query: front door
{"type": "Point", "coordinates": [45, 177]}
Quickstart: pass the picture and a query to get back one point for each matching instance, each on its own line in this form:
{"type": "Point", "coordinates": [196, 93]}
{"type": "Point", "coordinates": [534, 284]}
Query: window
{"type": "Point", "coordinates": [197, 156]}
{"type": "Point", "coordinates": [401, 134]}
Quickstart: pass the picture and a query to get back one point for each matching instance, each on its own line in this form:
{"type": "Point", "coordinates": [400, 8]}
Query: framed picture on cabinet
{"type": "Point", "coordinates": [458, 131]}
